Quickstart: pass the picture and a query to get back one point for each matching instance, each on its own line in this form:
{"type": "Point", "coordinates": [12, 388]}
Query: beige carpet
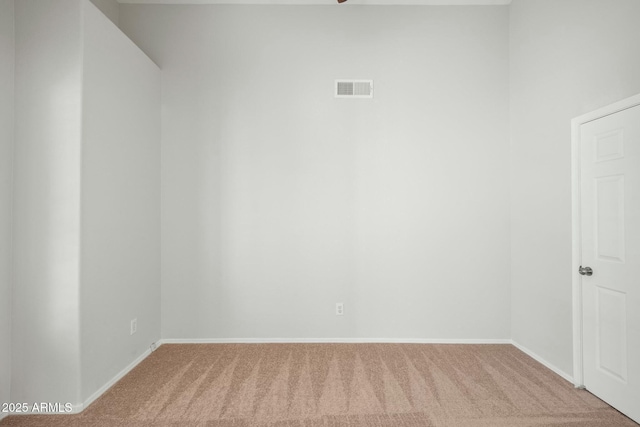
{"type": "Point", "coordinates": [313, 385]}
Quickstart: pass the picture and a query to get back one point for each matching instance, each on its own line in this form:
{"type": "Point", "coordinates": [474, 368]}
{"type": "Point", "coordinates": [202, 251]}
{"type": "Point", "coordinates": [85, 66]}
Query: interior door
{"type": "Point", "coordinates": [610, 232]}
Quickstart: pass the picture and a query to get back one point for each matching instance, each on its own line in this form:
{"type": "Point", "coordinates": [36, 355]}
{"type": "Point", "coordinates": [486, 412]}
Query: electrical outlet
{"type": "Point", "coordinates": [339, 309]}
{"type": "Point", "coordinates": [134, 326]}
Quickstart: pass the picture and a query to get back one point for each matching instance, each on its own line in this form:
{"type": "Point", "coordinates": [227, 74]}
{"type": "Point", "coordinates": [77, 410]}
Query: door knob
{"type": "Point", "coordinates": [585, 271]}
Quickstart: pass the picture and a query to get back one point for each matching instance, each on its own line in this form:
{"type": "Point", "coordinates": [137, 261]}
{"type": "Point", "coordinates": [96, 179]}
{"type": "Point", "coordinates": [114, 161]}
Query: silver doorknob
{"type": "Point", "coordinates": [585, 271]}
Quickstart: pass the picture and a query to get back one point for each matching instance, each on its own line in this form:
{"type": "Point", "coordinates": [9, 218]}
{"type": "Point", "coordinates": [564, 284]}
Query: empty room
{"type": "Point", "coordinates": [314, 213]}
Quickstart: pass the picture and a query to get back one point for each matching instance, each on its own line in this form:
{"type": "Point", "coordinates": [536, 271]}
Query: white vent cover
{"type": "Point", "coordinates": [354, 88]}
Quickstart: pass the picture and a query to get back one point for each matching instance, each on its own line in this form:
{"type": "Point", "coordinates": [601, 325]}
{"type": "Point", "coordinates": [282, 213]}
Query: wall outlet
{"type": "Point", "coordinates": [339, 309]}
{"type": "Point", "coordinates": [134, 326]}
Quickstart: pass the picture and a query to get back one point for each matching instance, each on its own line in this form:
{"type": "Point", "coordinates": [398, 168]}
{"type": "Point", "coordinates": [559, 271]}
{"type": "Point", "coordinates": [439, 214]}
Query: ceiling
{"type": "Point", "coordinates": [327, 2]}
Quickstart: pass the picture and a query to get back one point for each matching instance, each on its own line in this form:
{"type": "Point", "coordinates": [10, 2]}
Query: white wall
{"type": "Point", "coordinates": [568, 57]}
{"type": "Point", "coordinates": [87, 228]}
{"type": "Point", "coordinates": [279, 201]}
{"type": "Point", "coordinates": [6, 178]}
{"type": "Point", "coordinates": [110, 8]}
{"type": "Point", "coordinates": [120, 272]}
{"type": "Point", "coordinates": [45, 348]}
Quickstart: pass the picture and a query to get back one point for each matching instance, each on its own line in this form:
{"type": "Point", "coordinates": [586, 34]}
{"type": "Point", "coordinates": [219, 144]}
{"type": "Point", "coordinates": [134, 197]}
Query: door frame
{"type": "Point", "coordinates": [576, 230]}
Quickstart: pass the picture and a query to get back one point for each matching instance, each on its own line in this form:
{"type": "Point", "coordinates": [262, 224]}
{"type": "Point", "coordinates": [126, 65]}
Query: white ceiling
{"type": "Point", "coordinates": [314, 2]}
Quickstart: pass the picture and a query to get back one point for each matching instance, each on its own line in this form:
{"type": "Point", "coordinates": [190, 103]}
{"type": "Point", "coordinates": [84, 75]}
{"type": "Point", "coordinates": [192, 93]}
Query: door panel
{"type": "Point", "coordinates": [610, 234]}
{"type": "Point", "coordinates": [611, 339]}
{"type": "Point", "coordinates": [610, 218]}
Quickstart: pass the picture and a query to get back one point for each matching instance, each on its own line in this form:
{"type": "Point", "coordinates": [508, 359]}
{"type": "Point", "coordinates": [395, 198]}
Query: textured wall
{"type": "Point", "coordinates": [279, 201]}
{"type": "Point", "coordinates": [120, 267]}
{"type": "Point", "coordinates": [46, 288]}
{"type": "Point", "coordinates": [110, 8]}
{"type": "Point", "coordinates": [7, 59]}
{"type": "Point", "coordinates": [568, 57]}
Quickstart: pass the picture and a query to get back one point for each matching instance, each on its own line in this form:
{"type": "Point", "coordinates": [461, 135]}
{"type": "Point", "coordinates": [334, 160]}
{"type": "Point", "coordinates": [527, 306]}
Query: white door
{"type": "Point", "coordinates": [610, 235]}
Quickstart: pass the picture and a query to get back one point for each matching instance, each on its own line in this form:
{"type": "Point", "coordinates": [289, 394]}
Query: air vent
{"type": "Point", "coordinates": [354, 89]}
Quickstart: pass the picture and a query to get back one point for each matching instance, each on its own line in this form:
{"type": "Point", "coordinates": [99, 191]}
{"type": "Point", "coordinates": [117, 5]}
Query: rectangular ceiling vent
{"type": "Point", "coordinates": [354, 88]}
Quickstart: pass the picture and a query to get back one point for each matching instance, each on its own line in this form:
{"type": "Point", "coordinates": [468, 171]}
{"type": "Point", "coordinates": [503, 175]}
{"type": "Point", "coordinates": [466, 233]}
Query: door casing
{"type": "Point", "coordinates": [578, 365]}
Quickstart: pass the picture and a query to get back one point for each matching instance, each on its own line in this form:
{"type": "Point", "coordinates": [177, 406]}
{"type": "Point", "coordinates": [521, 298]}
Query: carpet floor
{"type": "Point", "coordinates": [339, 385]}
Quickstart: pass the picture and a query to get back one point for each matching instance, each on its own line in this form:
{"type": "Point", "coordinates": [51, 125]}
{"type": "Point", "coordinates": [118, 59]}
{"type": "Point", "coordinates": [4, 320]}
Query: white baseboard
{"type": "Point", "coordinates": [330, 341]}
{"type": "Point", "coordinates": [79, 407]}
{"type": "Point", "coordinates": [542, 361]}
{"type": "Point", "coordinates": [82, 406]}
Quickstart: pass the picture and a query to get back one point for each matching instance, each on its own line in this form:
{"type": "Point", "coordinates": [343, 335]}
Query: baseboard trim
{"type": "Point", "coordinates": [79, 407]}
{"type": "Point", "coordinates": [543, 361]}
{"type": "Point", "coordinates": [82, 406]}
{"type": "Point", "coordinates": [330, 341]}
